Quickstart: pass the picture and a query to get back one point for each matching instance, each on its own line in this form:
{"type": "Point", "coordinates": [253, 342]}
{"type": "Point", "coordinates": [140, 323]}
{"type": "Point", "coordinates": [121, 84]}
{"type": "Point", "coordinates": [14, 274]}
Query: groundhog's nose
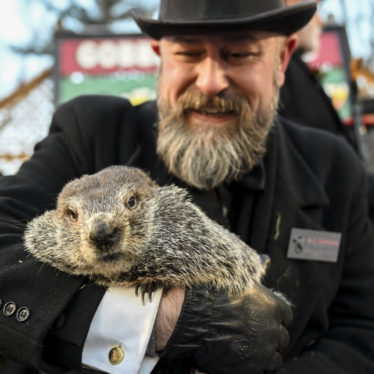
{"type": "Point", "coordinates": [102, 234]}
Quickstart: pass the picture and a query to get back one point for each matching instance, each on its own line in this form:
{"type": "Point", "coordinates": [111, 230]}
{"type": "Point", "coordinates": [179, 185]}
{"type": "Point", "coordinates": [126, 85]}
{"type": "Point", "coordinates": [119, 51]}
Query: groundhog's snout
{"type": "Point", "coordinates": [103, 234]}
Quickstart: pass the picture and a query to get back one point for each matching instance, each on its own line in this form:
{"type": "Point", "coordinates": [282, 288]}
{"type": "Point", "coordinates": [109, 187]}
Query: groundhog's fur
{"type": "Point", "coordinates": [119, 228]}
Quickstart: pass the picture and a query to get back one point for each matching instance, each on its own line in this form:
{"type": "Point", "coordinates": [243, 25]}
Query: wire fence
{"type": "Point", "coordinates": [24, 120]}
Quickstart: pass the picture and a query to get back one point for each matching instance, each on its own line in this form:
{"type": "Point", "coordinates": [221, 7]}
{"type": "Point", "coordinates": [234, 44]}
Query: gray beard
{"type": "Point", "coordinates": [207, 156]}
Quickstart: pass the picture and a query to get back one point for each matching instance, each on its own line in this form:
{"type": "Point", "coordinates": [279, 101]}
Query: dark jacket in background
{"type": "Point", "coordinates": [312, 180]}
{"type": "Point", "coordinates": [303, 100]}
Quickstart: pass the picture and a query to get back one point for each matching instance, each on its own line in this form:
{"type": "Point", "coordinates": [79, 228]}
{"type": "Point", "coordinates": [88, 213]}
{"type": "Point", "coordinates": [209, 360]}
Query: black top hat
{"type": "Point", "coordinates": [178, 17]}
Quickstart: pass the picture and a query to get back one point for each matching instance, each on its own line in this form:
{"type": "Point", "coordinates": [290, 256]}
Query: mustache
{"type": "Point", "coordinates": [224, 102]}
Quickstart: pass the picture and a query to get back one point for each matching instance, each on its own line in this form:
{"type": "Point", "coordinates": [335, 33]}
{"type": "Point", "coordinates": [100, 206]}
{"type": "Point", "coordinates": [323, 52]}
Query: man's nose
{"type": "Point", "coordinates": [211, 77]}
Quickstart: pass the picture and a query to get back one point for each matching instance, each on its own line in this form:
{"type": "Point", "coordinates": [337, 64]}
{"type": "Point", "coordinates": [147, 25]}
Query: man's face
{"type": "Point", "coordinates": [217, 97]}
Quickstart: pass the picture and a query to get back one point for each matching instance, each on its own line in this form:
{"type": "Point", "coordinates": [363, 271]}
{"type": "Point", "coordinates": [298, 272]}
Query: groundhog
{"type": "Point", "coordinates": [120, 228]}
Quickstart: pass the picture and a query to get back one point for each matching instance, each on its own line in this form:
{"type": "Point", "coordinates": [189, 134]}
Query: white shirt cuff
{"type": "Point", "coordinates": [122, 320]}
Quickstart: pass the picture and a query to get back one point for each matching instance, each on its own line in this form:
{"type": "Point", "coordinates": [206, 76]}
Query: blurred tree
{"type": "Point", "coordinates": [45, 17]}
{"type": "Point", "coordinates": [360, 23]}
{"type": "Point", "coordinates": [371, 38]}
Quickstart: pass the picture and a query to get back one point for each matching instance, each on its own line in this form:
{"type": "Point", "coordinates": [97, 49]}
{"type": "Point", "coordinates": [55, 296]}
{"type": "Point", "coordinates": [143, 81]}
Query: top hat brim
{"type": "Point", "coordinates": [285, 20]}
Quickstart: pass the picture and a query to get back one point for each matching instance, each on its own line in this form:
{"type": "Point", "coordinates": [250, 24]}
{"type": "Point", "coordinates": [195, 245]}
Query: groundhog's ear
{"type": "Point", "coordinates": [153, 184]}
{"type": "Point", "coordinates": [150, 182]}
{"type": "Point", "coordinates": [175, 192]}
{"type": "Point", "coordinates": [182, 193]}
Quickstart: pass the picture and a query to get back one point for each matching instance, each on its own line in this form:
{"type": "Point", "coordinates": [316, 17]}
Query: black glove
{"type": "Point", "coordinates": [220, 334]}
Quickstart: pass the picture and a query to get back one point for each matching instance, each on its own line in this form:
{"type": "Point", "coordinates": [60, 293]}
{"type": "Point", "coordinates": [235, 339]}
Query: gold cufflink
{"type": "Point", "coordinates": [116, 355]}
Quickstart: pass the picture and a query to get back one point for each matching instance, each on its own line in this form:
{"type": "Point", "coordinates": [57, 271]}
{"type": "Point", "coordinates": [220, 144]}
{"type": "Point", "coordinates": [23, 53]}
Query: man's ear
{"type": "Point", "coordinates": [288, 45]}
{"type": "Point", "coordinates": [155, 44]}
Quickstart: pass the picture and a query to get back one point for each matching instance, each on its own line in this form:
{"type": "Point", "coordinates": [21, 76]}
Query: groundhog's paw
{"type": "Point", "coordinates": [144, 289]}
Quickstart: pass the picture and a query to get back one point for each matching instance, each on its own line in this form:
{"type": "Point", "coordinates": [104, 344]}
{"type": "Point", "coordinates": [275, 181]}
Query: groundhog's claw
{"type": "Point", "coordinates": [145, 289]}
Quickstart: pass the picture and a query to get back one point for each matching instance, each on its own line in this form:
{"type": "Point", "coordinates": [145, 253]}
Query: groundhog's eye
{"type": "Point", "coordinates": [131, 202]}
{"type": "Point", "coordinates": [72, 214]}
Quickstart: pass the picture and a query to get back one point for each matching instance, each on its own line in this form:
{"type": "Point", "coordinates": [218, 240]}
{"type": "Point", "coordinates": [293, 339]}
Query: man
{"type": "Point", "coordinates": [303, 99]}
{"type": "Point", "coordinates": [215, 132]}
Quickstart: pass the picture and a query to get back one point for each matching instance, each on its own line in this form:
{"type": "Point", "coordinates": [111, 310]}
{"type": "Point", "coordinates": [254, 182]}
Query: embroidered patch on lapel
{"type": "Point", "coordinates": [314, 245]}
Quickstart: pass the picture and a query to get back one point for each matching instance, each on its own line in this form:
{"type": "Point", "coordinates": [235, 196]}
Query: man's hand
{"type": "Point", "coordinates": [221, 334]}
{"type": "Point", "coordinates": [168, 313]}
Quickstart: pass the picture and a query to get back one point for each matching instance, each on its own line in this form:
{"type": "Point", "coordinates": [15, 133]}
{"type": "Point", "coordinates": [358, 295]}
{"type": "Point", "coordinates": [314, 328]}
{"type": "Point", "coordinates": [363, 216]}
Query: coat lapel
{"type": "Point", "coordinates": [298, 200]}
{"type": "Point", "coordinates": [293, 196]}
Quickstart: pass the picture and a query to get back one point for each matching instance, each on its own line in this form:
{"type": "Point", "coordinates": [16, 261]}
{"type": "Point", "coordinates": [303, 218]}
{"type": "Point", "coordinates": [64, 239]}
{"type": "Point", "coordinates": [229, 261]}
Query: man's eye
{"type": "Point", "coordinates": [188, 55]}
{"type": "Point", "coordinates": [239, 55]}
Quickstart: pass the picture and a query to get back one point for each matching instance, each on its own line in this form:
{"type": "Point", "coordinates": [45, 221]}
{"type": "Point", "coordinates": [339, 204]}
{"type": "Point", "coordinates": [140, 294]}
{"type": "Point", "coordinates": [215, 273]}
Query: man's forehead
{"type": "Point", "coordinates": [230, 37]}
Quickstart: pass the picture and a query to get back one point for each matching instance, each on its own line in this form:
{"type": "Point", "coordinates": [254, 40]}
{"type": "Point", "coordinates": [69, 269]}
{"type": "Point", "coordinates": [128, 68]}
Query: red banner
{"type": "Point", "coordinates": [102, 56]}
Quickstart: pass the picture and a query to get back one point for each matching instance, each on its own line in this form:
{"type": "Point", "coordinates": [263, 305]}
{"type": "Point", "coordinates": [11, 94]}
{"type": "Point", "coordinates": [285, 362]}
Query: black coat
{"type": "Point", "coordinates": [313, 180]}
{"type": "Point", "coordinates": [304, 100]}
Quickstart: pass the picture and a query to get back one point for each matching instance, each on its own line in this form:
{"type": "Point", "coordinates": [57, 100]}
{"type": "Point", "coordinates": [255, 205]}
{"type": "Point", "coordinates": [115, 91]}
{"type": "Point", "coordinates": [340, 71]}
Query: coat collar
{"type": "Point", "coordinates": [293, 172]}
{"type": "Point", "coordinates": [293, 195]}
{"type": "Point", "coordinates": [298, 202]}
